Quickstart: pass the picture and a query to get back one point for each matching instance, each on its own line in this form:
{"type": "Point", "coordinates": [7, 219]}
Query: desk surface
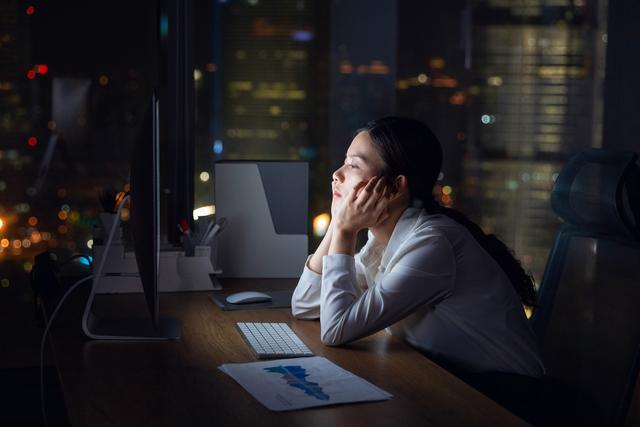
{"type": "Point", "coordinates": [178, 383]}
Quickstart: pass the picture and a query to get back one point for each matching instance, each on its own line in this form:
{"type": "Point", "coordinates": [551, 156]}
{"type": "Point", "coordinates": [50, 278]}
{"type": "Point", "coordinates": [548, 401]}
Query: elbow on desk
{"type": "Point", "coordinates": [330, 336]}
{"type": "Point", "coordinates": [303, 313]}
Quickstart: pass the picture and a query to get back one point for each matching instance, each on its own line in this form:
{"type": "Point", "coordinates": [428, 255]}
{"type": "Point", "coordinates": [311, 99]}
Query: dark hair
{"type": "Point", "coordinates": [408, 147]}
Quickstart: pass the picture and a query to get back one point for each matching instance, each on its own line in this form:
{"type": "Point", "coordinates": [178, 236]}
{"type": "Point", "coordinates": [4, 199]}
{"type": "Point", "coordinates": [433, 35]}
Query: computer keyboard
{"type": "Point", "coordinates": [269, 340]}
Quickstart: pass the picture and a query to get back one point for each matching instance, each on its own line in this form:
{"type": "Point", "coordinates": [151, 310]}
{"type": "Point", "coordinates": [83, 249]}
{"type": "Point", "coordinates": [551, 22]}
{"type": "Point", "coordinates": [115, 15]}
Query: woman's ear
{"type": "Point", "coordinates": [399, 186]}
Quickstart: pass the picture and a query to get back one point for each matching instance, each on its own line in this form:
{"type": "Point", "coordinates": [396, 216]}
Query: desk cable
{"type": "Point", "coordinates": [44, 340]}
{"type": "Point", "coordinates": [64, 297]}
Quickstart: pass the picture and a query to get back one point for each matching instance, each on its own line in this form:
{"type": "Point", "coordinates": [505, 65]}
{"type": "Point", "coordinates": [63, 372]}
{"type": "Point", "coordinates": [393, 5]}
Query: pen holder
{"type": "Point", "coordinates": [177, 272]}
{"type": "Point", "coordinates": [194, 271]}
{"type": "Point", "coordinates": [210, 252]}
{"type": "Point", "coordinates": [214, 255]}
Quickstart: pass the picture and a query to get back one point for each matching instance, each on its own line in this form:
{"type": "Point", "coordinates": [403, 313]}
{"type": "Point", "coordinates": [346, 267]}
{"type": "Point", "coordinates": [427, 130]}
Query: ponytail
{"type": "Point", "coordinates": [522, 282]}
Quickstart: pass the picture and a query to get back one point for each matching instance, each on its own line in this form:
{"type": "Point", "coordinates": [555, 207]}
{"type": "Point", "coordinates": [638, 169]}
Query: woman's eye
{"type": "Point", "coordinates": [351, 165]}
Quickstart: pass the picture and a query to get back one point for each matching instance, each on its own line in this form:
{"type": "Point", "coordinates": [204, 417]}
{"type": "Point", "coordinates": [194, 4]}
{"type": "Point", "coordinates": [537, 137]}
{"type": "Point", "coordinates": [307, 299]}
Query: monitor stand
{"type": "Point", "coordinates": [127, 328]}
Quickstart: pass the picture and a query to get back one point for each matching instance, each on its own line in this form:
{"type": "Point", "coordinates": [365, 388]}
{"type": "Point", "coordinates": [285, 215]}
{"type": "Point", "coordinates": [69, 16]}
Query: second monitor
{"type": "Point", "coordinates": [266, 206]}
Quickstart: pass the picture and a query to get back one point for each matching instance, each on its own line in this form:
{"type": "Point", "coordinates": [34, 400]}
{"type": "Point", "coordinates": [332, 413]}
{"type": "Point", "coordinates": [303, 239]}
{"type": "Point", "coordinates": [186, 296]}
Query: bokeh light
{"type": "Point", "coordinates": [36, 237]}
{"type": "Point", "coordinates": [218, 146]}
{"type": "Point", "coordinates": [321, 224]}
{"type": "Point", "coordinates": [528, 311]}
{"type": "Point", "coordinates": [204, 211]}
{"type": "Point", "coordinates": [125, 214]}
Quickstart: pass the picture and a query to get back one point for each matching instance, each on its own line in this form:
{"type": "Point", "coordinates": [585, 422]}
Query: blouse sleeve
{"type": "Point", "coordinates": [305, 302]}
{"type": "Point", "coordinates": [423, 274]}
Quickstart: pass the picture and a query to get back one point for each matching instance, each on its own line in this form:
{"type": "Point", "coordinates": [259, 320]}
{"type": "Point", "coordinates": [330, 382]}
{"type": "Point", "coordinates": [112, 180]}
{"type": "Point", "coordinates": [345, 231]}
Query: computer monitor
{"type": "Point", "coordinates": [145, 228]}
{"type": "Point", "coordinates": [266, 207]}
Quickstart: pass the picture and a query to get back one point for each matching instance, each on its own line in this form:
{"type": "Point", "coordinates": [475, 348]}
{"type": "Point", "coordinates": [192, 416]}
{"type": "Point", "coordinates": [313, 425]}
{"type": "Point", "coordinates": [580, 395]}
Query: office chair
{"type": "Point", "coordinates": [588, 319]}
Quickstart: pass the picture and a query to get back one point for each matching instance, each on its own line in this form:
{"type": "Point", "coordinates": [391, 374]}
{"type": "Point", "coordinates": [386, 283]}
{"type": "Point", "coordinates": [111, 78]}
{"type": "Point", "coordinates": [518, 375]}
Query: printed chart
{"type": "Point", "coordinates": [288, 384]}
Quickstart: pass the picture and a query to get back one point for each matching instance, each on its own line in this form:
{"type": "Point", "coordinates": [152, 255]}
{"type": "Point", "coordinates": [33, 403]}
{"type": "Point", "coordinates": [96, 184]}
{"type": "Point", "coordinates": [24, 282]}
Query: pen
{"type": "Point", "coordinates": [222, 223]}
{"type": "Point", "coordinates": [183, 226]}
{"type": "Point", "coordinates": [214, 231]}
{"type": "Point", "coordinates": [207, 231]}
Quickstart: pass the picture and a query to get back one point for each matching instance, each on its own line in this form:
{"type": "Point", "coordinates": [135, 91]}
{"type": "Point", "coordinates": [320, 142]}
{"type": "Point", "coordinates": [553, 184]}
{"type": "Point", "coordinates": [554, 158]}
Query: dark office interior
{"type": "Point", "coordinates": [535, 104]}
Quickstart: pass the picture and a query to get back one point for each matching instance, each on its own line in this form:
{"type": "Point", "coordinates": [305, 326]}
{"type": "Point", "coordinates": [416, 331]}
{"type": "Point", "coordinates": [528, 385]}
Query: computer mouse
{"type": "Point", "coordinates": [247, 297]}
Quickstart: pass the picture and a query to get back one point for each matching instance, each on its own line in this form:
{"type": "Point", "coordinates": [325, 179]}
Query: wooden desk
{"type": "Point", "coordinates": [178, 383]}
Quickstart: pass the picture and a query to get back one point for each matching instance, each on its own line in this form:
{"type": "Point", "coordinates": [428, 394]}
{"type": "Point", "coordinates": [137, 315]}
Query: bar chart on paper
{"type": "Point", "coordinates": [295, 376]}
{"type": "Point", "coordinates": [288, 384]}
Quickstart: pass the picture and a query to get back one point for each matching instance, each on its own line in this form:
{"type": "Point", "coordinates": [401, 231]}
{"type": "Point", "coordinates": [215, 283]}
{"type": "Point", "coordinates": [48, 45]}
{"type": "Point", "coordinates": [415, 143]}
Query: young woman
{"type": "Point", "coordinates": [426, 272]}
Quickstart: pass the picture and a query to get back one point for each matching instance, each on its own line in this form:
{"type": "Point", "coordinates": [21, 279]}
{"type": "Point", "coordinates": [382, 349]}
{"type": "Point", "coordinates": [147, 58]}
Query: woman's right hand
{"type": "Point", "coordinates": [336, 205]}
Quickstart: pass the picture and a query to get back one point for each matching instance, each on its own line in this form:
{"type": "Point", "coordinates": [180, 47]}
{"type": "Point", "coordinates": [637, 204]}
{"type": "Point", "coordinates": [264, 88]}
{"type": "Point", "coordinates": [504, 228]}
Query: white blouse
{"type": "Point", "coordinates": [434, 286]}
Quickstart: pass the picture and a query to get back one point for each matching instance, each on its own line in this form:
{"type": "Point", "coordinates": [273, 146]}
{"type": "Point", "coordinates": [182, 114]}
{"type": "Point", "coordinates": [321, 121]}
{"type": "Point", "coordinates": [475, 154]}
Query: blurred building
{"type": "Point", "coordinates": [511, 89]}
{"type": "Point", "coordinates": [265, 57]}
{"type": "Point", "coordinates": [17, 90]}
{"type": "Point", "coordinates": [536, 100]}
{"type": "Point", "coordinates": [70, 107]}
{"type": "Point", "coordinates": [433, 80]}
{"type": "Point", "coordinates": [268, 89]}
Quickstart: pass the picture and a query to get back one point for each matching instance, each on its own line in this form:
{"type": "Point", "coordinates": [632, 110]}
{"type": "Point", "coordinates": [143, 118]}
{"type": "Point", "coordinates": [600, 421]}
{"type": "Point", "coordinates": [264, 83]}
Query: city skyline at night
{"type": "Point", "coordinates": [291, 81]}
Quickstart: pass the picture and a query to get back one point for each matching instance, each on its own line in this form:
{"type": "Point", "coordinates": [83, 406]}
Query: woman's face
{"type": "Point", "coordinates": [361, 163]}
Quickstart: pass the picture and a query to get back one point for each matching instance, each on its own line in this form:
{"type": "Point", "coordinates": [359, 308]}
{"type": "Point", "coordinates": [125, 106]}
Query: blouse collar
{"type": "Point", "coordinates": [406, 223]}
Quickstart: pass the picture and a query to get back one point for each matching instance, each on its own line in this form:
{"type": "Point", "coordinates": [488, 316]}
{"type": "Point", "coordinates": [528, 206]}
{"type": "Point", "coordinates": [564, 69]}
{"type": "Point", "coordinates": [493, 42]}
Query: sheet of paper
{"type": "Point", "coordinates": [288, 384]}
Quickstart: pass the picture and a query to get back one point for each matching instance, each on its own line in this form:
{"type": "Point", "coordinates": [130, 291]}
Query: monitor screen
{"type": "Point", "coordinates": [145, 206]}
{"type": "Point", "coordinates": [115, 322]}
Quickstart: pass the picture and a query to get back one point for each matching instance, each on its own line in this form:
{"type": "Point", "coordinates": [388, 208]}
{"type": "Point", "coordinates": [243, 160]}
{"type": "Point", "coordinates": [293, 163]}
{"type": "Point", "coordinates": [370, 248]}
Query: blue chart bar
{"type": "Point", "coordinates": [296, 377]}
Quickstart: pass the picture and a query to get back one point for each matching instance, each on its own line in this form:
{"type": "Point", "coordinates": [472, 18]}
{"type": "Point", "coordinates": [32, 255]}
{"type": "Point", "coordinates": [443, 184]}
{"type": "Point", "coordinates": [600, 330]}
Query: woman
{"type": "Point", "coordinates": [426, 272]}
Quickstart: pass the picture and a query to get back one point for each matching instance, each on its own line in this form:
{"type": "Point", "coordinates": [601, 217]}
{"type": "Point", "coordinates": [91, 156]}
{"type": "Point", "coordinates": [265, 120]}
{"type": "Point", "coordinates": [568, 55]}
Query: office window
{"type": "Point", "coordinates": [511, 88]}
{"type": "Point", "coordinates": [75, 82]}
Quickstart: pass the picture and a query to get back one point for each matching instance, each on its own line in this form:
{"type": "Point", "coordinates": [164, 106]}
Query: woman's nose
{"type": "Point", "coordinates": [337, 175]}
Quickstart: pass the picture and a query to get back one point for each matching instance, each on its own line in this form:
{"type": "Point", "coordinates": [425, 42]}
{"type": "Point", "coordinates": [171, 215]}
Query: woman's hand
{"type": "Point", "coordinates": [364, 207]}
{"type": "Point", "coordinates": [335, 208]}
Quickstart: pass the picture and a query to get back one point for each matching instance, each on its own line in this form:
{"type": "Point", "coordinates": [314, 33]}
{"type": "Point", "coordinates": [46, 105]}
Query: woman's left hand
{"type": "Point", "coordinates": [365, 206]}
